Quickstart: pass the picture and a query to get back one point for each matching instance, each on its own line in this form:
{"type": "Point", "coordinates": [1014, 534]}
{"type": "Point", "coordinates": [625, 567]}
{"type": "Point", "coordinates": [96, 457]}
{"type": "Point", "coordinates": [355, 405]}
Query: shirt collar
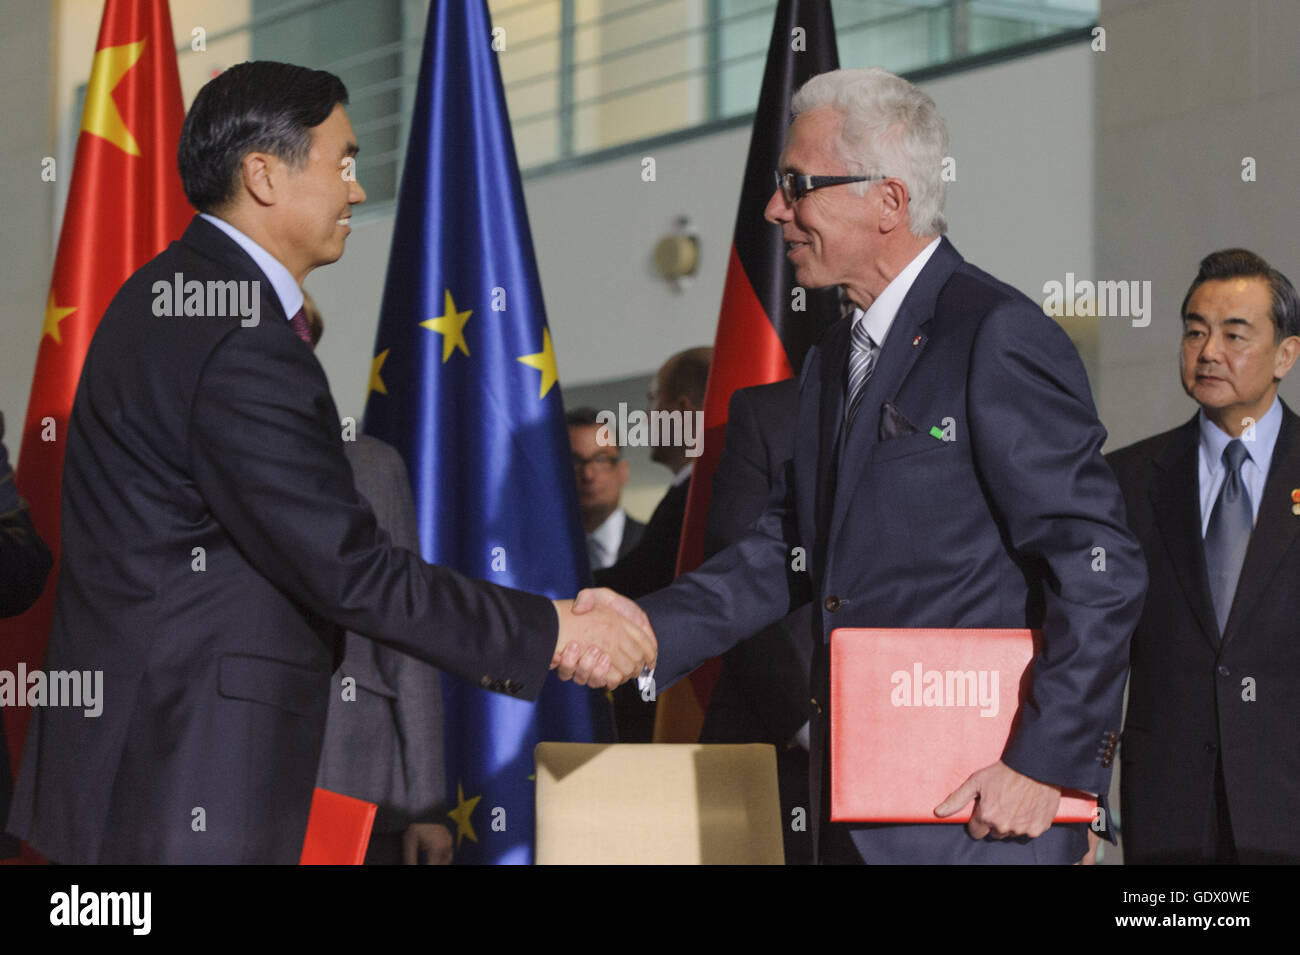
{"type": "Point", "coordinates": [286, 287]}
{"type": "Point", "coordinates": [684, 474]}
{"type": "Point", "coordinates": [610, 532]}
{"type": "Point", "coordinates": [880, 316]}
{"type": "Point", "coordinates": [1214, 439]}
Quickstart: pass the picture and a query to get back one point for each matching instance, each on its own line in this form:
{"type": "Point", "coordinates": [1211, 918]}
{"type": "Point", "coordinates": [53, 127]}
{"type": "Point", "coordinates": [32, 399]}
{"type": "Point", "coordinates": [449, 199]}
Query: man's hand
{"type": "Point", "coordinates": [1007, 803]}
{"type": "Point", "coordinates": [600, 642]}
{"type": "Point", "coordinates": [431, 837]}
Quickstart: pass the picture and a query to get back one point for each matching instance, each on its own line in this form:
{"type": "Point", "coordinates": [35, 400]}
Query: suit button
{"type": "Point", "coordinates": [1224, 671]}
{"type": "Point", "coordinates": [832, 603]}
{"type": "Point", "coordinates": [1211, 747]}
{"type": "Point", "coordinates": [485, 682]}
{"type": "Point", "coordinates": [815, 705]}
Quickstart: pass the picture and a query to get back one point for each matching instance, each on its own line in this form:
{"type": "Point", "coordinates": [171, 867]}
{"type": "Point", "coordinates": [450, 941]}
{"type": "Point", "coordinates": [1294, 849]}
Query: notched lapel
{"type": "Point", "coordinates": [1276, 526]}
{"type": "Point", "coordinates": [1175, 499]}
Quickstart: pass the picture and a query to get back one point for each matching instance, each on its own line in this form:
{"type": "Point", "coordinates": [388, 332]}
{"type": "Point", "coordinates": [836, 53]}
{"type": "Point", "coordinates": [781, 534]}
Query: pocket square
{"type": "Point", "coordinates": [893, 424]}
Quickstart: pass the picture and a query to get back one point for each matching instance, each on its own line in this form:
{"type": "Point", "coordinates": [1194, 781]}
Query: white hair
{"type": "Point", "coordinates": [889, 128]}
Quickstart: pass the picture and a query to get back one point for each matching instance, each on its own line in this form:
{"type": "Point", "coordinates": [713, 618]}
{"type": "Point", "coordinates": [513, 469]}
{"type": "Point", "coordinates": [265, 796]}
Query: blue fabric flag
{"type": "Point", "coordinates": [463, 383]}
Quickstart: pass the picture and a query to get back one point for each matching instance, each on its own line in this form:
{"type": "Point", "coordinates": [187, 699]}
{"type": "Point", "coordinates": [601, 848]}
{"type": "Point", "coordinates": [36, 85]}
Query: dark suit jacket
{"type": "Point", "coordinates": [1188, 688]}
{"type": "Point", "coordinates": [196, 432]}
{"type": "Point", "coordinates": [993, 529]}
{"type": "Point", "coordinates": [652, 563]}
{"type": "Point", "coordinates": [633, 530]}
{"type": "Point", "coordinates": [384, 741]}
{"type": "Point", "coordinates": [762, 693]}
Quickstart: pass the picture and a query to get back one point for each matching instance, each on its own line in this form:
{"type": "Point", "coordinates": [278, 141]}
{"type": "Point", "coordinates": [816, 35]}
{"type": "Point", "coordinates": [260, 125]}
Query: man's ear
{"type": "Point", "coordinates": [261, 176]}
{"type": "Point", "coordinates": [893, 200]}
{"type": "Point", "coordinates": [1287, 352]}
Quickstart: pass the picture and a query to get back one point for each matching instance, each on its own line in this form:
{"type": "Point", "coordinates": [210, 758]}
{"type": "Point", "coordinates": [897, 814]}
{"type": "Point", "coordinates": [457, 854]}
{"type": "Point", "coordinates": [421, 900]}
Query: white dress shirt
{"type": "Point", "coordinates": [880, 316]}
{"type": "Point", "coordinates": [603, 543]}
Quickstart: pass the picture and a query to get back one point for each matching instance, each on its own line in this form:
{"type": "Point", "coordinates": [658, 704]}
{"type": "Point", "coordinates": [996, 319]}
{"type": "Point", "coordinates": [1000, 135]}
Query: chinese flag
{"type": "Point", "coordinates": [764, 331]}
{"type": "Point", "coordinates": [125, 205]}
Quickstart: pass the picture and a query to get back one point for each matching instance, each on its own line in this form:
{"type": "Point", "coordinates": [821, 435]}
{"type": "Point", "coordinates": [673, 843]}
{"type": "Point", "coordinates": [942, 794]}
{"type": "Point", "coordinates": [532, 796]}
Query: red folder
{"type": "Point", "coordinates": [915, 712]}
{"type": "Point", "coordinates": [338, 829]}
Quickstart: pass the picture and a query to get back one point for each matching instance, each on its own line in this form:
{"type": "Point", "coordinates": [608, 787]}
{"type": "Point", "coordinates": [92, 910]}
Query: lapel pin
{"type": "Point", "coordinates": [1295, 495]}
{"type": "Point", "coordinates": [917, 340]}
{"type": "Point", "coordinates": [1295, 509]}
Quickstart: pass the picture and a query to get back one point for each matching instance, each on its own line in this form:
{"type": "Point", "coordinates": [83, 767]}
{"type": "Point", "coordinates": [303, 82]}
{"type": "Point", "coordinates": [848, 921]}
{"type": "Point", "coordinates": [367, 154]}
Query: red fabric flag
{"type": "Point", "coordinates": [762, 334]}
{"type": "Point", "coordinates": [125, 205]}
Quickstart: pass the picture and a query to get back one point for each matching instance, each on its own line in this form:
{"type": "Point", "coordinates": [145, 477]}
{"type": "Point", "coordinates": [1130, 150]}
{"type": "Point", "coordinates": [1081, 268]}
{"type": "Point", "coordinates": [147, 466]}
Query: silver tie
{"type": "Point", "coordinates": [862, 362]}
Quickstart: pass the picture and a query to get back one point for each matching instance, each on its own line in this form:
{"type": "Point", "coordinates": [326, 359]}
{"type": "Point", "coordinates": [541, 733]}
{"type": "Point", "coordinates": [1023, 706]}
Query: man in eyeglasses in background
{"type": "Point", "coordinates": [947, 473]}
{"type": "Point", "coordinates": [601, 472]}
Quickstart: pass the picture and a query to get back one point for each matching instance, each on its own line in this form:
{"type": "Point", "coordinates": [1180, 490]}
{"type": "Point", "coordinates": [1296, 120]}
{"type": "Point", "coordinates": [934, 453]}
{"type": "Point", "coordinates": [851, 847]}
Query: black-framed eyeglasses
{"type": "Point", "coordinates": [794, 186]}
{"type": "Point", "coordinates": [601, 461]}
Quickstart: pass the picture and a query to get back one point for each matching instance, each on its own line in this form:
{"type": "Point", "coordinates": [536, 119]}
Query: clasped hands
{"type": "Point", "coordinates": [605, 639]}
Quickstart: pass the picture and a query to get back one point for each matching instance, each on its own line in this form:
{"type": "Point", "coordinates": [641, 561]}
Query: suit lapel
{"type": "Point", "coordinates": [205, 238]}
{"type": "Point", "coordinates": [834, 361]}
{"type": "Point", "coordinates": [1175, 499]}
{"type": "Point", "coordinates": [1276, 526]}
{"type": "Point", "coordinates": [906, 340]}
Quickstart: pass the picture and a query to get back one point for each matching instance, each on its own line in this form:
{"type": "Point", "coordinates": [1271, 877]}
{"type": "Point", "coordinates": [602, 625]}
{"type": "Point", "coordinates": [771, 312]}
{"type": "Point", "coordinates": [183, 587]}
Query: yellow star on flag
{"type": "Point", "coordinates": [451, 326]}
{"type": "Point", "coordinates": [543, 361]}
{"type": "Point", "coordinates": [100, 116]}
{"type": "Point", "coordinates": [461, 815]}
{"type": "Point", "coordinates": [54, 315]}
{"type": "Point", "coordinates": [376, 363]}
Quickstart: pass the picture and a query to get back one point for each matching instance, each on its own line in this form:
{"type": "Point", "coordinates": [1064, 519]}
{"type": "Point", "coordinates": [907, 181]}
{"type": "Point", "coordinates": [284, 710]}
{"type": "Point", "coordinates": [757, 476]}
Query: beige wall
{"type": "Point", "coordinates": [1185, 90]}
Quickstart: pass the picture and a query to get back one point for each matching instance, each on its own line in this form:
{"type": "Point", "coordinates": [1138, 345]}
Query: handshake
{"type": "Point", "coordinates": [605, 639]}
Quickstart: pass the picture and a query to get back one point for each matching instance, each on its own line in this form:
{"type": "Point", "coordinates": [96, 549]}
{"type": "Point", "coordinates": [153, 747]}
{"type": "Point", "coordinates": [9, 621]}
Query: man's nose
{"type": "Point", "coordinates": [356, 195]}
{"type": "Point", "coordinates": [1212, 350]}
{"type": "Point", "coordinates": [777, 210]}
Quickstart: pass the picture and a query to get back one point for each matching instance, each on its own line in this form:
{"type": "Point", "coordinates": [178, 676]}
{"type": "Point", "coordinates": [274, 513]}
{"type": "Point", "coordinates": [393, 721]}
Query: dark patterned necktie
{"type": "Point", "coordinates": [299, 323]}
{"type": "Point", "coordinates": [1228, 533]}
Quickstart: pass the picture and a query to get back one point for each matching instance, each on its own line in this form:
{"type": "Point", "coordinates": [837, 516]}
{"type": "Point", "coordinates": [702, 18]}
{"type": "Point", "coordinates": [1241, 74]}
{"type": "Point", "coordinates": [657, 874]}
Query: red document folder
{"type": "Point", "coordinates": [338, 829]}
{"type": "Point", "coordinates": [915, 712]}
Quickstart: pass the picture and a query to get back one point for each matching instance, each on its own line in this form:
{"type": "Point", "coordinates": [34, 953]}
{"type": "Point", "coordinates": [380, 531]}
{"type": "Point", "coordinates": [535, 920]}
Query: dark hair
{"type": "Point", "coordinates": [264, 106]}
{"type": "Point", "coordinates": [585, 417]}
{"type": "Point", "coordinates": [686, 375]}
{"type": "Point", "coordinates": [1240, 263]}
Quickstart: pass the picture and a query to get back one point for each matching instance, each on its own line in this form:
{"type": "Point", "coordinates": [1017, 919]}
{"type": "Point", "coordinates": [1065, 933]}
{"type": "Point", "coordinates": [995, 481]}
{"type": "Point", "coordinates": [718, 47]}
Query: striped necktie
{"type": "Point", "coordinates": [862, 362]}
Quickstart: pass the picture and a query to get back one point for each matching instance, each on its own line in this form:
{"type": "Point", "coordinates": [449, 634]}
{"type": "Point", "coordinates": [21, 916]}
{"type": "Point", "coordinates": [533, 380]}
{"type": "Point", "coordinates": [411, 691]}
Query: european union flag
{"type": "Point", "coordinates": [463, 383]}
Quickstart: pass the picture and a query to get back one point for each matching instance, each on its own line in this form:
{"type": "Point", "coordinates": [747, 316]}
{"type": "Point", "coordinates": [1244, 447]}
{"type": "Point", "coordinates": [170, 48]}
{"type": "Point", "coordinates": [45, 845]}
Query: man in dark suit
{"type": "Point", "coordinates": [1211, 747]}
{"type": "Point", "coordinates": [762, 691]}
{"type": "Point", "coordinates": [947, 473]}
{"type": "Point", "coordinates": [601, 472]}
{"type": "Point", "coordinates": [214, 543]}
{"type": "Point", "coordinates": [677, 387]}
